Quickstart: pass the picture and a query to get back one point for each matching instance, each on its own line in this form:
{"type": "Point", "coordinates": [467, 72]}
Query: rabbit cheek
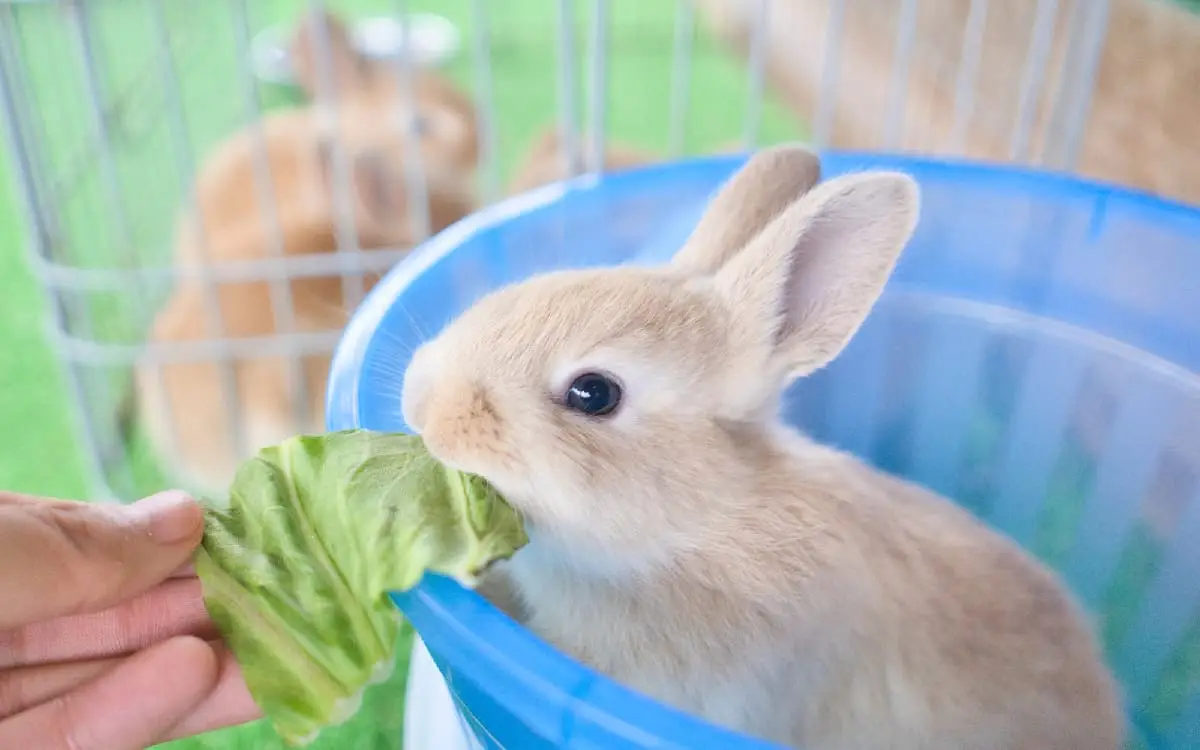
{"type": "Point", "coordinates": [574, 486]}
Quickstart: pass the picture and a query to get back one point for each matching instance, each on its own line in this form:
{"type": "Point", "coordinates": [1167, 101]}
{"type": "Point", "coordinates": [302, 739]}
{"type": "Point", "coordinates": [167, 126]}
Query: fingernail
{"type": "Point", "coordinates": [171, 516]}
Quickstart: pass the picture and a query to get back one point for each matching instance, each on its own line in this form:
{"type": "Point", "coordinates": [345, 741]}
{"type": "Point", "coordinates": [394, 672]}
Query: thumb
{"type": "Point", "coordinates": [60, 558]}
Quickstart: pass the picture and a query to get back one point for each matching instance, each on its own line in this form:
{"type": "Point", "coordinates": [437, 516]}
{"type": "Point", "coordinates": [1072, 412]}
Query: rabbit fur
{"type": "Point", "coordinates": [693, 547]}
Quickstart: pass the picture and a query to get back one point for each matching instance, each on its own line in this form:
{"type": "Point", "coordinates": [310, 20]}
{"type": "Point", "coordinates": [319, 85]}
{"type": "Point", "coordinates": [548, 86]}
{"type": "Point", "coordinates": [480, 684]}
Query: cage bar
{"type": "Point", "coordinates": [79, 15]}
{"type": "Point", "coordinates": [485, 99]}
{"type": "Point", "coordinates": [597, 86]}
{"type": "Point", "coordinates": [1087, 33]}
{"type": "Point", "coordinates": [681, 75]}
{"type": "Point", "coordinates": [185, 168]}
{"type": "Point", "coordinates": [280, 292]}
{"type": "Point", "coordinates": [827, 99]}
{"type": "Point", "coordinates": [112, 452]}
{"type": "Point", "coordinates": [407, 116]}
{"type": "Point", "coordinates": [345, 225]}
{"type": "Point", "coordinates": [101, 355]}
{"type": "Point", "coordinates": [968, 73]}
{"type": "Point", "coordinates": [1033, 78]}
{"type": "Point", "coordinates": [37, 248]}
{"type": "Point", "coordinates": [275, 269]}
{"type": "Point", "coordinates": [31, 123]}
{"type": "Point", "coordinates": [901, 63]}
{"type": "Point", "coordinates": [756, 74]}
{"type": "Point", "coordinates": [568, 117]}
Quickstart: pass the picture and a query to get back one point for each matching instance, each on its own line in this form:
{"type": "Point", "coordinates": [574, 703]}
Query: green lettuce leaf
{"type": "Point", "coordinates": [297, 565]}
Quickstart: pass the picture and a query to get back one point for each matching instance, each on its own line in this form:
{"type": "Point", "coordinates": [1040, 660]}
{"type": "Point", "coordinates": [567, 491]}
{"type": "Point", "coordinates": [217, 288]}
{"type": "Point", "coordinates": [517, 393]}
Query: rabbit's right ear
{"type": "Point", "coordinates": [322, 54]}
{"type": "Point", "coordinates": [770, 181]}
{"type": "Point", "coordinates": [802, 287]}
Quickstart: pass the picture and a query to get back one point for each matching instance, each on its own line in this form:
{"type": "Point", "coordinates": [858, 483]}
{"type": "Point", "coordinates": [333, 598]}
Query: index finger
{"type": "Point", "coordinates": [61, 558]}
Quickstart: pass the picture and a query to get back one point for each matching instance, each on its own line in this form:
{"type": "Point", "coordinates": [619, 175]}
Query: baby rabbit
{"type": "Point", "coordinates": [366, 114]}
{"type": "Point", "coordinates": [686, 542]}
{"type": "Point", "coordinates": [183, 408]}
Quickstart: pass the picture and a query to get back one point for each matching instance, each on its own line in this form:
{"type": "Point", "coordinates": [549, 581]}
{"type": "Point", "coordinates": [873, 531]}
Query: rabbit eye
{"type": "Point", "coordinates": [594, 394]}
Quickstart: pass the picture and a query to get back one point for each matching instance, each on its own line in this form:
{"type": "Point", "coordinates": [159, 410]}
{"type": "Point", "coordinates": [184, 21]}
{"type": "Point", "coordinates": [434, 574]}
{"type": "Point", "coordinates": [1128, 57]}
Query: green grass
{"type": "Point", "coordinates": [91, 231]}
{"type": "Point", "coordinates": [44, 458]}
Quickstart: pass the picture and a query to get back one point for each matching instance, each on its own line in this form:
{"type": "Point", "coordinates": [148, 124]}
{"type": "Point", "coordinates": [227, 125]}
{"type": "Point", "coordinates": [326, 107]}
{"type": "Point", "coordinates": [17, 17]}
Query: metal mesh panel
{"type": "Point", "coordinates": [113, 107]}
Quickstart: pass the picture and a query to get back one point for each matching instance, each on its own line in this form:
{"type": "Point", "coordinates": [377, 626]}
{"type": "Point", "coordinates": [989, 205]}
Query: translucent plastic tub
{"type": "Point", "coordinates": [1034, 358]}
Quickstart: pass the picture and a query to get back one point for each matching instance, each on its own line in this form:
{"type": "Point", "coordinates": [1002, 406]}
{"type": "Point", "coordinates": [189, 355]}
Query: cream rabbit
{"type": "Point", "coordinates": [183, 408]}
{"type": "Point", "coordinates": [687, 543]}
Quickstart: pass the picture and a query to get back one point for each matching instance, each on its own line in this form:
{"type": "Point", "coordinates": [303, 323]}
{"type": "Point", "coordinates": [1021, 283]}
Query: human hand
{"type": "Point", "coordinates": [104, 640]}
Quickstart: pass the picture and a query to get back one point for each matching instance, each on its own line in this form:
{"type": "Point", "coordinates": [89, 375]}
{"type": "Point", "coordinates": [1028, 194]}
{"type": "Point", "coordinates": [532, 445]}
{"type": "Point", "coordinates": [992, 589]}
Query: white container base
{"type": "Point", "coordinates": [431, 722]}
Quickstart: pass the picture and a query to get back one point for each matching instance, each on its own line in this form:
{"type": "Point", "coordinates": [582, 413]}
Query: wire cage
{"type": "Point", "coordinates": [113, 108]}
{"type": "Point", "coordinates": [125, 119]}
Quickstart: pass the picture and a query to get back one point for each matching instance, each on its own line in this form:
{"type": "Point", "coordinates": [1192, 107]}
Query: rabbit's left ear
{"type": "Point", "coordinates": [769, 181]}
{"type": "Point", "coordinates": [323, 58]}
{"type": "Point", "coordinates": [803, 286]}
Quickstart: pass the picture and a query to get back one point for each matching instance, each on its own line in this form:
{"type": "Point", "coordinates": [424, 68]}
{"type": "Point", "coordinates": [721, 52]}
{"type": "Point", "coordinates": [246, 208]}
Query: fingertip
{"type": "Point", "coordinates": [84, 557]}
{"type": "Point", "coordinates": [171, 517]}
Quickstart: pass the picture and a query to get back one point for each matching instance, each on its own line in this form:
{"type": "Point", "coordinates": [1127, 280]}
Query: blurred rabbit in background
{"type": "Point", "coordinates": [365, 115]}
{"type": "Point", "coordinates": [1141, 130]}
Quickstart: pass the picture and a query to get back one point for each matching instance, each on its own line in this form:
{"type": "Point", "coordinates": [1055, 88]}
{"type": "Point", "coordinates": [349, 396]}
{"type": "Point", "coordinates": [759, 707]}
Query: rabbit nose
{"type": "Point", "coordinates": [460, 421]}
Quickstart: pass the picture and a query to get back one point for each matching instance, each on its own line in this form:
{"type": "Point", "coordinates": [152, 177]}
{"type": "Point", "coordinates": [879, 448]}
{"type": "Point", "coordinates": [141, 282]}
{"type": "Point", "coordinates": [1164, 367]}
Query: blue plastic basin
{"type": "Point", "coordinates": [1034, 358]}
